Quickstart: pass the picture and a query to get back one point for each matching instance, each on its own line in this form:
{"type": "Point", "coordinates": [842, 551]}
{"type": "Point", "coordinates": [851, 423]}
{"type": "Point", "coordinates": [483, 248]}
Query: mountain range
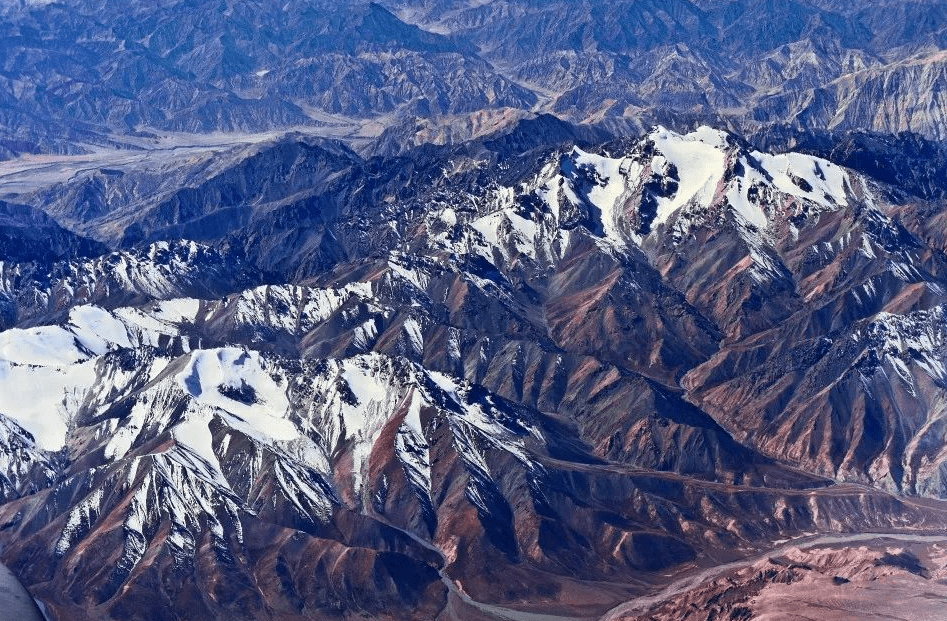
{"type": "Point", "coordinates": [85, 74]}
{"type": "Point", "coordinates": [291, 381]}
{"type": "Point", "coordinates": [473, 310]}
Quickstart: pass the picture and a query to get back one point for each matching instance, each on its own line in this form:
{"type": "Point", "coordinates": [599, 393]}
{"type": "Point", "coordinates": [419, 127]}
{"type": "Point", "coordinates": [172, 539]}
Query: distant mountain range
{"type": "Point", "coordinates": [84, 73]}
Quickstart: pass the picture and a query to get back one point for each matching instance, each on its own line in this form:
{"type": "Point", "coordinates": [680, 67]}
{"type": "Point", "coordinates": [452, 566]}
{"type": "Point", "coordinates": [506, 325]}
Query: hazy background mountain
{"type": "Point", "coordinates": [101, 72]}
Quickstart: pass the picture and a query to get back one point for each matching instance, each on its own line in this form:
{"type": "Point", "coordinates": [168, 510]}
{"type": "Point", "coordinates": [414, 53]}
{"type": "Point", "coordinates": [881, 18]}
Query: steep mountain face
{"type": "Point", "coordinates": [90, 74]}
{"type": "Point", "coordinates": [809, 287]}
{"type": "Point", "coordinates": [494, 380]}
{"type": "Point", "coordinates": [188, 467]}
{"type": "Point", "coordinates": [27, 234]}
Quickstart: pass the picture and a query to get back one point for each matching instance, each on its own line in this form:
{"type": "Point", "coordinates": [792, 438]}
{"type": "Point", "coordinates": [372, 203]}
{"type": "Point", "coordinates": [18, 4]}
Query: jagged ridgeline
{"type": "Point", "coordinates": [530, 376]}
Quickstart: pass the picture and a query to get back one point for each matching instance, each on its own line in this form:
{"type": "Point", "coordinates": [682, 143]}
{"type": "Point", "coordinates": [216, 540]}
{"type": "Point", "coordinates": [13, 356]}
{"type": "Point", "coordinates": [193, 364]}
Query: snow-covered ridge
{"type": "Point", "coordinates": [158, 270]}
{"type": "Point", "coordinates": [180, 426]}
{"type": "Point", "coordinates": [318, 425]}
{"type": "Point", "coordinates": [666, 185]}
{"type": "Point", "coordinates": [681, 181]}
{"type": "Point", "coordinates": [295, 309]}
{"type": "Point", "coordinates": [46, 372]}
{"type": "Point", "coordinates": [918, 338]}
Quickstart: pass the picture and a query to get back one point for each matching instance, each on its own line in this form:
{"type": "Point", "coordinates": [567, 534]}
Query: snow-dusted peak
{"type": "Point", "coordinates": [706, 135]}
{"type": "Point", "coordinates": [660, 189]}
{"type": "Point", "coordinates": [806, 177]}
{"type": "Point", "coordinates": [237, 381]}
{"type": "Point", "coordinates": [48, 373]}
{"type": "Point", "coordinates": [292, 308]}
{"type": "Point", "coordinates": [97, 330]}
{"type": "Point", "coordinates": [663, 173]}
{"type": "Point", "coordinates": [676, 182]}
{"type": "Point", "coordinates": [698, 160]}
{"type": "Point", "coordinates": [918, 338]}
{"type": "Point", "coordinates": [90, 331]}
{"type": "Point", "coordinates": [159, 270]}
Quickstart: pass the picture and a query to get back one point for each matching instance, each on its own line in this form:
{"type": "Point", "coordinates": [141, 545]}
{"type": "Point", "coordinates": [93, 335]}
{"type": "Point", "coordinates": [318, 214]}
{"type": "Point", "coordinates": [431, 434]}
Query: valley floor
{"type": "Point", "coordinates": [852, 577]}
